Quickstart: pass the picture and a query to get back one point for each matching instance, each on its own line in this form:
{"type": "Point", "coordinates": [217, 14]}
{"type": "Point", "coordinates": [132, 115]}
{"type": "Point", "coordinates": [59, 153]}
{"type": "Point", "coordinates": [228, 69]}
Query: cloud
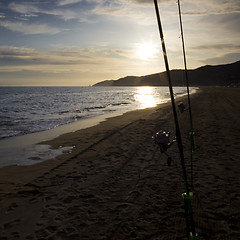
{"type": "Point", "coordinates": [67, 59]}
{"type": "Point", "coordinates": [32, 9]}
{"type": "Point", "coordinates": [215, 53]}
{"type": "Point", "coordinates": [196, 7]}
{"type": "Point", "coordinates": [223, 58]}
{"type": "Point", "coordinates": [222, 46]}
{"type": "Point", "coordinates": [67, 2]}
{"type": "Point", "coordinates": [16, 51]}
{"type": "Point", "coordinates": [83, 65]}
{"type": "Point", "coordinates": [121, 11]}
{"type": "Point", "coordinates": [27, 28]}
{"type": "Point", "coordinates": [28, 56]}
{"type": "Point", "coordinates": [216, 28]}
{"type": "Point", "coordinates": [19, 56]}
{"type": "Point", "coordinates": [143, 10]}
{"type": "Point", "coordinates": [144, 2]}
{"type": "Point", "coordinates": [85, 10]}
{"type": "Point", "coordinates": [210, 7]}
{"type": "Point", "coordinates": [23, 8]}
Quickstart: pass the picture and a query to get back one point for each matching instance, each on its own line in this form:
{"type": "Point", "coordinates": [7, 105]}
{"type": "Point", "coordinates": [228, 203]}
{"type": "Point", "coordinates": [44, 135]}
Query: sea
{"type": "Point", "coordinates": [29, 110]}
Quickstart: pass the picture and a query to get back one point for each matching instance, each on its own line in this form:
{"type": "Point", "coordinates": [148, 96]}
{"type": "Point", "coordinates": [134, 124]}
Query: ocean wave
{"type": "Point", "coordinates": [31, 109]}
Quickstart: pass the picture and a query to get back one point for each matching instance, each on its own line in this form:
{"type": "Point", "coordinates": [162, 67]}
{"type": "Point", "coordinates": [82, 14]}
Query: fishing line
{"type": "Point", "coordinates": [192, 148]}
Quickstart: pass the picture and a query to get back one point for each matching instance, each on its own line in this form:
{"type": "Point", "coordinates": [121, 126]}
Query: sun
{"type": "Point", "coordinates": [146, 51]}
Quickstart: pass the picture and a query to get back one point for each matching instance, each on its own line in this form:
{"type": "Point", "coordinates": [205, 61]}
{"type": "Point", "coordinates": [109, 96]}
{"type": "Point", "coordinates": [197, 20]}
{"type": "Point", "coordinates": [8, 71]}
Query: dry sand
{"type": "Point", "coordinates": [115, 184]}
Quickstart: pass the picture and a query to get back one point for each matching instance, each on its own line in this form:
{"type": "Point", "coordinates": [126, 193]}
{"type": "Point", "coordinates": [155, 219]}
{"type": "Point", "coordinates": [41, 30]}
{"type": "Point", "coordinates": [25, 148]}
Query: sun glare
{"type": "Point", "coordinates": [144, 95]}
{"type": "Point", "coordinates": [146, 51]}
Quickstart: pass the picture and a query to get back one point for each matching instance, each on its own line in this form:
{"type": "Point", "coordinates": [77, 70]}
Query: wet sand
{"type": "Point", "coordinates": [115, 183]}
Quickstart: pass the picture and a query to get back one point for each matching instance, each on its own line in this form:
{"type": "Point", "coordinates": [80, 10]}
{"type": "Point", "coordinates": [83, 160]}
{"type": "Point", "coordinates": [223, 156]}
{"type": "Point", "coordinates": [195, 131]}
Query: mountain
{"type": "Point", "coordinates": [219, 75]}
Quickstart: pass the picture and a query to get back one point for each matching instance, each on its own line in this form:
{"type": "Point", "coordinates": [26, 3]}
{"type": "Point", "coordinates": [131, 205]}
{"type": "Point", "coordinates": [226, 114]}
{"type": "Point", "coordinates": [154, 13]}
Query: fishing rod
{"type": "Point", "coordinates": [187, 196]}
{"type": "Point", "coordinates": [188, 94]}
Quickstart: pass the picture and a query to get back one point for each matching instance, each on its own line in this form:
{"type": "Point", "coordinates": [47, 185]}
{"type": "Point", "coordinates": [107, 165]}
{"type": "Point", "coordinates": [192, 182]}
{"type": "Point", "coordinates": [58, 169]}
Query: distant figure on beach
{"type": "Point", "coordinates": [162, 139]}
{"type": "Point", "coordinates": [181, 107]}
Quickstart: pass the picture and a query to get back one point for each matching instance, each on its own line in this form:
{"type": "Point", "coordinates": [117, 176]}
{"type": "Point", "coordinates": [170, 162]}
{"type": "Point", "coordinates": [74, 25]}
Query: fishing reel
{"type": "Point", "coordinates": [162, 139]}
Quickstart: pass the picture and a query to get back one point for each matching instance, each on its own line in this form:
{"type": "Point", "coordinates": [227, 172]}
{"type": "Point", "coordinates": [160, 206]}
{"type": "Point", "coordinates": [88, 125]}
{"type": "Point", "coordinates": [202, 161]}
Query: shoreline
{"type": "Point", "coordinates": [87, 121]}
{"type": "Point", "coordinates": [68, 139]}
{"type": "Point", "coordinates": [33, 147]}
{"type": "Point", "coordinates": [28, 149]}
{"type": "Point", "coordinates": [115, 184]}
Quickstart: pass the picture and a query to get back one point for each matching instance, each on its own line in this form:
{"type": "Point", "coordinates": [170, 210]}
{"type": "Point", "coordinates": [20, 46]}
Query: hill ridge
{"type": "Point", "coordinates": [208, 75]}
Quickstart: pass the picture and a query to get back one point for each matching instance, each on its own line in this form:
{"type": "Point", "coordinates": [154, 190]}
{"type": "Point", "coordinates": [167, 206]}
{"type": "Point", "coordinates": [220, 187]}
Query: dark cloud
{"type": "Point", "coordinates": [222, 46]}
{"type": "Point", "coordinates": [13, 56]}
{"type": "Point", "coordinates": [149, 1]}
{"type": "Point", "coordinates": [210, 7]}
{"type": "Point", "coordinates": [225, 24]}
{"type": "Point", "coordinates": [226, 58]}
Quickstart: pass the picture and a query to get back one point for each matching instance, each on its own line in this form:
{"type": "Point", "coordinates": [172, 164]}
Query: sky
{"type": "Point", "coordinates": [82, 42]}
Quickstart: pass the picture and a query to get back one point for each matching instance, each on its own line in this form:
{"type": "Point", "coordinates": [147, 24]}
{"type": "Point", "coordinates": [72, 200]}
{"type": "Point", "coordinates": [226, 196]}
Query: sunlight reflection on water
{"type": "Point", "coordinates": [145, 96]}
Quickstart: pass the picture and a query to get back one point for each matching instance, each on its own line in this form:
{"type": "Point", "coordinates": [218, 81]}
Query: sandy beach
{"type": "Point", "coordinates": [115, 183]}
